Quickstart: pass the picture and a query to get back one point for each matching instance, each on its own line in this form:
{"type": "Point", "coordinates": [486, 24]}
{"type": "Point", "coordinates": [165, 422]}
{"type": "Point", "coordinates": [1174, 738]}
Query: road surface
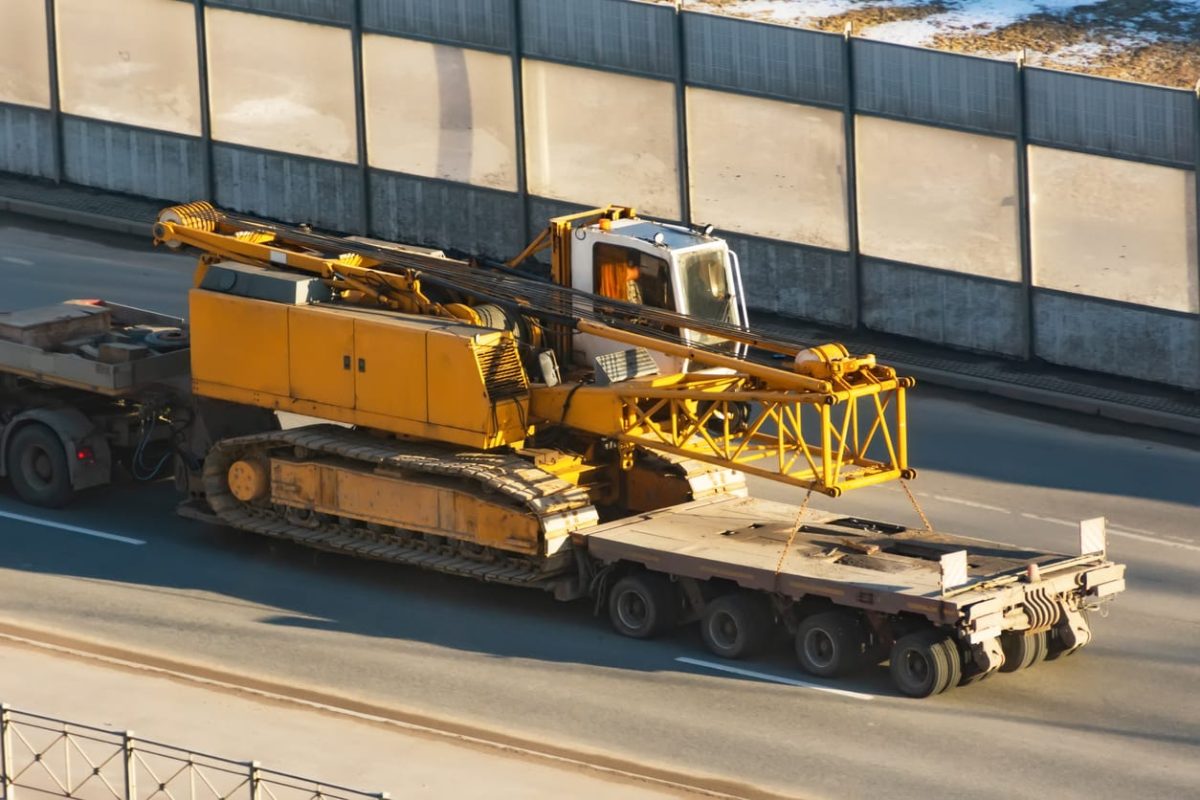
{"type": "Point", "coordinates": [1120, 719]}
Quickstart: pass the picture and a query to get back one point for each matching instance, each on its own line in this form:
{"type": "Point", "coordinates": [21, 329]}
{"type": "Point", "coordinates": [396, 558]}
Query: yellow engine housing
{"type": "Point", "coordinates": [419, 376]}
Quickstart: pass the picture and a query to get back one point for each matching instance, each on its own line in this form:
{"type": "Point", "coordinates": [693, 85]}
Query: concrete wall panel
{"type": "Point", "coordinates": [795, 281]}
{"type": "Point", "coordinates": [281, 85]}
{"type": "Point", "coordinates": [163, 166]}
{"type": "Point", "coordinates": [288, 188]}
{"type": "Point", "coordinates": [26, 141]}
{"type": "Point", "coordinates": [1111, 117]}
{"type": "Point", "coordinates": [480, 23]}
{"type": "Point", "coordinates": [143, 74]}
{"type": "Point", "coordinates": [440, 214]}
{"type": "Point", "coordinates": [24, 63]}
{"type": "Point", "coordinates": [1119, 340]}
{"type": "Point", "coordinates": [790, 185]}
{"type": "Point", "coordinates": [440, 111]}
{"type": "Point", "coordinates": [944, 308]}
{"type": "Point", "coordinates": [931, 86]}
{"type": "Point", "coordinates": [579, 150]}
{"type": "Point", "coordinates": [1113, 228]}
{"type": "Point", "coordinates": [938, 197]}
{"type": "Point", "coordinates": [635, 37]}
{"type": "Point", "coordinates": [336, 11]}
{"type": "Point", "coordinates": [774, 60]}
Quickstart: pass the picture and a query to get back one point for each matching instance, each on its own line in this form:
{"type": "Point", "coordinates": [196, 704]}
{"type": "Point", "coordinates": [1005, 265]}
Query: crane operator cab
{"type": "Point", "coordinates": [669, 267]}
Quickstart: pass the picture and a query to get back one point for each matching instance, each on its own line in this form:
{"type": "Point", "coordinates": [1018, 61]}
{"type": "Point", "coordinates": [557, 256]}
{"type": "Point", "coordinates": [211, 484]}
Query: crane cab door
{"type": "Point", "coordinates": [624, 273]}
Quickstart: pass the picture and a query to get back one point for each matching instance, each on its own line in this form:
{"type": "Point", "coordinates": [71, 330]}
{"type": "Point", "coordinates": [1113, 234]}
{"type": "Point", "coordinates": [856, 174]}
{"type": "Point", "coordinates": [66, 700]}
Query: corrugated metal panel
{"type": "Point", "coordinates": [941, 307]}
{"type": "Point", "coordinates": [636, 37]}
{"type": "Point", "coordinates": [164, 166]}
{"type": "Point", "coordinates": [788, 63]}
{"type": "Point", "coordinates": [338, 11]}
{"type": "Point", "coordinates": [447, 215]}
{"type": "Point", "coordinates": [484, 23]}
{"type": "Point", "coordinates": [1124, 340]}
{"type": "Point", "coordinates": [26, 141]}
{"type": "Point", "coordinates": [795, 281]}
{"type": "Point", "coordinates": [1111, 117]}
{"type": "Point", "coordinates": [288, 188]}
{"type": "Point", "coordinates": [926, 85]}
{"type": "Point", "coordinates": [542, 210]}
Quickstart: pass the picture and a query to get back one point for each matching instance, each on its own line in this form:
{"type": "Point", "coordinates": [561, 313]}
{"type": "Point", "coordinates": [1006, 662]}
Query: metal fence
{"type": "Point", "coordinates": [45, 757]}
{"type": "Point", "coordinates": [965, 201]}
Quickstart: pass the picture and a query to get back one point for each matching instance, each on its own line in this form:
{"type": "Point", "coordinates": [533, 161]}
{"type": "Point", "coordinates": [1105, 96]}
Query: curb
{"type": "Point", "coordinates": [1106, 409]}
{"type": "Point", "coordinates": [1079, 404]}
{"type": "Point", "coordinates": [87, 219]}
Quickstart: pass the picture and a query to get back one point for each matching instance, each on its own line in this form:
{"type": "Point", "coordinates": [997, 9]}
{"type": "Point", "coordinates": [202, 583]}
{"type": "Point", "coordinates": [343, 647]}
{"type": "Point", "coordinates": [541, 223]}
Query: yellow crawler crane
{"type": "Point", "coordinates": [393, 341]}
{"type": "Point", "coordinates": [587, 434]}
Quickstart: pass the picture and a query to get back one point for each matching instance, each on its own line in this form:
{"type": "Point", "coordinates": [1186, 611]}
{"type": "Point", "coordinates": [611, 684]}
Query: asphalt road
{"type": "Point", "coordinates": [1120, 719]}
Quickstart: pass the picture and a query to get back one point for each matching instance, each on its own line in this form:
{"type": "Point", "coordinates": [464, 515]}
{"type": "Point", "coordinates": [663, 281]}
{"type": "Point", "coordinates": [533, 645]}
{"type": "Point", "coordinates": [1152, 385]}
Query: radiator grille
{"type": "Point", "coordinates": [503, 375]}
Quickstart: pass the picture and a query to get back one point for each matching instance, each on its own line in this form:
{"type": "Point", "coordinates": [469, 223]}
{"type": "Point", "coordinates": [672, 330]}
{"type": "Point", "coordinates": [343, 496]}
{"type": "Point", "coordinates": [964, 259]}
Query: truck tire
{"type": "Point", "coordinates": [37, 466]}
{"type": "Point", "coordinates": [1022, 650]}
{"type": "Point", "coordinates": [643, 605]}
{"type": "Point", "coordinates": [830, 644]}
{"type": "Point", "coordinates": [921, 665]}
{"type": "Point", "coordinates": [736, 625]}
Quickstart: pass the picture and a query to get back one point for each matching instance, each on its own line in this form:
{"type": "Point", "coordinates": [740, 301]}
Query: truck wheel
{"type": "Point", "coordinates": [736, 625]}
{"type": "Point", "coordinates": [643, 605]}
{"type": "Point", "coordinates": [831, 643]}
{"type": "Point", "coordinates": [921, 664]}
{"type": "Point", "coordinates": [37, 465]}
{"type": "Point", "coordinates": [1022, 650]}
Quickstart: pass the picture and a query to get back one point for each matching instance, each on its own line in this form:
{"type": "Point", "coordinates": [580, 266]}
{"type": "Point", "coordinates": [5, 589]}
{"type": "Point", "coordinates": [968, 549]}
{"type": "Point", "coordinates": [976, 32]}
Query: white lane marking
{"type": "Point", "coordinates": [1156, 539]}
{"type": "Point", "coordinates": [18, 261]}
{"type": "Point", "coordinates": [970, 503]}
{"type": "Point", "coordinates": [1140, 538]}
{"type": "Point", "coordinates": [112, 537]}
{"type": "Point", "coordinates": [1055, 520]}
{"type": "Point", "coordinates": [763, 676]}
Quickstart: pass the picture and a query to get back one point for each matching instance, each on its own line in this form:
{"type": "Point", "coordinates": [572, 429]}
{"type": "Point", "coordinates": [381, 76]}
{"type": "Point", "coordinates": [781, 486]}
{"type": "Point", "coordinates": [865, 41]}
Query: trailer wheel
{"type": "Point", "coordinates": [1022, 650]}
{"type": "Point", "coordinates": [831, 643]}
{"type": "Point", "coordinates": [921, 664]}
{"type": "Point", "coordinates": [954, 663]}
{"type": "Point", "coordinates": [643, 605]}
{"type": "Point", "coordinates": [736, 625]}
{"type": "Point", "coordinates": [37, 465]}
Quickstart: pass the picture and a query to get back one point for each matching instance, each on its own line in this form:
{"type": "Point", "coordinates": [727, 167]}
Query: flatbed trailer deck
{"type": "Point", "coordinates": [67, 414]}
{"type": "Point", "coordinates": [864, 564]}
{"type": "Point", "coordinates": [855, 591]}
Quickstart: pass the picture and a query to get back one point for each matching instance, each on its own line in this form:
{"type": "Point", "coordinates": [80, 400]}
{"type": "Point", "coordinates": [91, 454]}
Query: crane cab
{"type": "Point", "coordinates": [657, 265]}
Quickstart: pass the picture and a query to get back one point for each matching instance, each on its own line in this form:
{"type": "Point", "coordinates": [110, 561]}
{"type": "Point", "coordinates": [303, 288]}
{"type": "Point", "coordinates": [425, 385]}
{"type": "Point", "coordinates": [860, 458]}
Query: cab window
{"type": "Point", "coordinates": [623, 273]}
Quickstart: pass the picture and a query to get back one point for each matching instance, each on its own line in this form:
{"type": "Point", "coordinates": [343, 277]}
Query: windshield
{"type": "Point", "coordinates": [706, 292]}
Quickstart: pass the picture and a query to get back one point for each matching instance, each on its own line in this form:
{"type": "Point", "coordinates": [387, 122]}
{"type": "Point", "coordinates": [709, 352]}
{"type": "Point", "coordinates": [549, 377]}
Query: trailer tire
{"type": "Point", "coordinates": [643, 605]}
{"type": "Point", "coordinates": [736, 625]}
{"type": "Point", "coordinates": [1022, 650]}
{"type": "Point", "coordinates": [37, 466]}
{"type": "Point", "coordinates": [830, 644]}
{"type": "Point", "coordinates": [954, 663]}
{"type": "Point", "coordinates": [921, 664]}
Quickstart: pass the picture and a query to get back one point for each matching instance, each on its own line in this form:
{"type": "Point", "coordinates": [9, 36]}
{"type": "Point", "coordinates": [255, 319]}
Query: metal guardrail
{"type": "Point", "coordinates": [47, 757]}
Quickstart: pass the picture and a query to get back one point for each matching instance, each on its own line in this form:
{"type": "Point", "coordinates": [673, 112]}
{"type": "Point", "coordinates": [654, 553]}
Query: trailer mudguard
{"type": "Point", "coordinates": [79, 436]}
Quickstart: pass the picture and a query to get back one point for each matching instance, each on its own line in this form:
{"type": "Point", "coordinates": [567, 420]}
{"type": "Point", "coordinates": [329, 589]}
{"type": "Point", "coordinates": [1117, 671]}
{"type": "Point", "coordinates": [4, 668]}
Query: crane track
{"type": "Point", "coordinates": [555, 502]}
{"type": "Point", "coordinates": [560, 506]}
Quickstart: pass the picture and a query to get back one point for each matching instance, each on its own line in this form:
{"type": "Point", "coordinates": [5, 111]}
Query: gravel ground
{"type": "Point", "coordinates": [1151, 41]}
